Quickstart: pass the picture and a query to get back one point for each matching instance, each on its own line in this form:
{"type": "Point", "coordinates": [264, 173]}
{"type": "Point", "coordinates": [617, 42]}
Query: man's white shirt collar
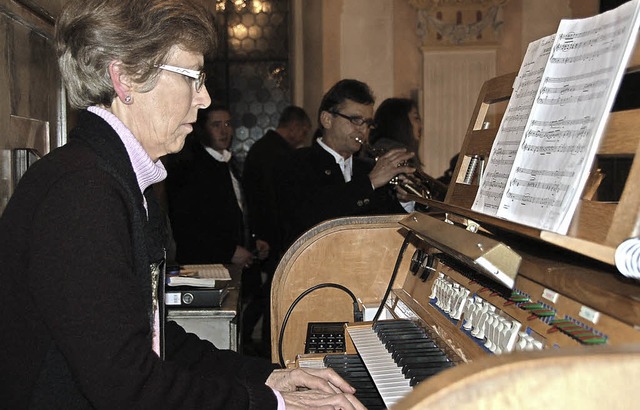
{"type": "Point", "coordinates": [346, 165]}
{"type": "Point", "coordinates": [225, 156]}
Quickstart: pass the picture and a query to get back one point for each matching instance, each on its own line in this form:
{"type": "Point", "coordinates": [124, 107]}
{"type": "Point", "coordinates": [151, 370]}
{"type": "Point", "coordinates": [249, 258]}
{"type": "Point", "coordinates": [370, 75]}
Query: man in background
{"type": "Point", "coordinates": [259, 184]}
{"type": "Point", "coordinates": [204, 195]}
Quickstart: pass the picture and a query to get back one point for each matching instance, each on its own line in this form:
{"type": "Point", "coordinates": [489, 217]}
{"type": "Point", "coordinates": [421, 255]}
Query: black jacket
{"type": "Point", "coordinates": [311, 189]}
{"type": "Point", "coordinates": [206, 221]}
{"type": "Point", "coordinates": [259, 181]}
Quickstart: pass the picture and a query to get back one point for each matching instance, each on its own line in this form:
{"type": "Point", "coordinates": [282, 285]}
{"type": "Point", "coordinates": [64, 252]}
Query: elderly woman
{"type": "Point", "coordinates": [81, 241]}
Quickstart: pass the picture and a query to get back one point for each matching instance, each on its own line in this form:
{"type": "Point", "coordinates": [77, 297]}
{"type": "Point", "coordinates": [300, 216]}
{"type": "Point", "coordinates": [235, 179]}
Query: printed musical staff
{"type": "Point", "coordinates": [557, 114]}
{"type": "Point", "coordinates": [513, 125]}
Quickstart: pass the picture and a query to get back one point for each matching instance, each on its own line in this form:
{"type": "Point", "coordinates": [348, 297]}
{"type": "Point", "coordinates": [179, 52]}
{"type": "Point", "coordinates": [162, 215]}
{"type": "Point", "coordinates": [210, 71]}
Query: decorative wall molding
{"type": "Point", "coordinates": [457, 22]}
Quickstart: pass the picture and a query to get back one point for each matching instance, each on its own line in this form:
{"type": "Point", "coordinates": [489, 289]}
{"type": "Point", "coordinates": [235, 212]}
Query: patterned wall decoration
{"type": "Point", "coordinates": [454, 22]}
{"type": "Point", "coordinates": [250, 71]}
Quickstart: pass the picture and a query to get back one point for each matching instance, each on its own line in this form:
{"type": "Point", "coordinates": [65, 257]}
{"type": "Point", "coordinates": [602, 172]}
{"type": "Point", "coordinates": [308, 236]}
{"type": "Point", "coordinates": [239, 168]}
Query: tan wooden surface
{"type": "Point", "coordinates": [551, 379]}
{"type": "Point", "coordinates": [357, 252]}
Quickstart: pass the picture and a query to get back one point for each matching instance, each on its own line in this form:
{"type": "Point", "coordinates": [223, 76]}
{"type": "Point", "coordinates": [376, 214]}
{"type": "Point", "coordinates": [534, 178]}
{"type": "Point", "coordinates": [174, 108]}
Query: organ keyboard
{"type": "Point", "coordinates": [398, 355]}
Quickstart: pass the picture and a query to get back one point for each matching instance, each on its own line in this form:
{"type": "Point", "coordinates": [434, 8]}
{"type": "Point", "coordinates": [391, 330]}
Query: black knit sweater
{"type": "Point", "coordinates": [75, 299]}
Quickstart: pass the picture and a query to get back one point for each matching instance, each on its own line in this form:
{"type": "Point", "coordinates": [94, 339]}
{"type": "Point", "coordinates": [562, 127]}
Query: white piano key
{"type": "Point", "coordinates": [387, 376]}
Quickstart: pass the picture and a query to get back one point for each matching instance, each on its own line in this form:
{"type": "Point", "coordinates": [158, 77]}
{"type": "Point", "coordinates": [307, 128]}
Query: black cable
{"type": "Point", "coordinates": [405, 243]}
{"type": "Point", "coordinates": [357, 314]}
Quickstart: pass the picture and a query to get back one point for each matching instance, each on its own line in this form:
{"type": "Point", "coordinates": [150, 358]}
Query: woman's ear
{"type": "Point", "coordinates": [121, 82]}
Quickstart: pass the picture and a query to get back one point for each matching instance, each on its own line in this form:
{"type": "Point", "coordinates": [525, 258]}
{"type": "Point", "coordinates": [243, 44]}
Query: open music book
{"type": "Point", "coordinates": [546, 144]}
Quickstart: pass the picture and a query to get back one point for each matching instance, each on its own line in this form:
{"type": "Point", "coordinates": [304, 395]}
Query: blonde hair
{"type": "Point", "coordinates": [90, 34]}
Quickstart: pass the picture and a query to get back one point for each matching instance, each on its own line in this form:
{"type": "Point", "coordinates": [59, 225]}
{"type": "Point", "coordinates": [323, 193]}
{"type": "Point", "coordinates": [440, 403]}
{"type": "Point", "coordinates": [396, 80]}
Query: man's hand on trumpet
{"type": "Point", "coordinates": [390, 165]}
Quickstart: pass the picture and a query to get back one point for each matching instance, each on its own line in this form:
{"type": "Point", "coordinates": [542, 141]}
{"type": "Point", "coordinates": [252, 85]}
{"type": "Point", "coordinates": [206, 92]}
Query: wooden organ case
{"type": "Point", "coordinates": [566, 333]}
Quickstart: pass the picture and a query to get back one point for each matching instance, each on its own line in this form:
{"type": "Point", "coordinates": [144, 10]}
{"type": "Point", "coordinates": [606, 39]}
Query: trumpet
{"type": "Point", "coordinates": [417, 183]}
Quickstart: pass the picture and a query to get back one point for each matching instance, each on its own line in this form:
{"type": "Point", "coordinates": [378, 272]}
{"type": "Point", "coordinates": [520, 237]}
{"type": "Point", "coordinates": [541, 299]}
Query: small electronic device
{"type": "Point", "coordinates": [325, 337]}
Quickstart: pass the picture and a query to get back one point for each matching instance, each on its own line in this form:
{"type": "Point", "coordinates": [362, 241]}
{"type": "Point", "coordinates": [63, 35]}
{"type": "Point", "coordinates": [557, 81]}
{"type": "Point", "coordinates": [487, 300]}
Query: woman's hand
{"type": "Point", "coordinates": [315, 399]}
{"type": "Point", "coordinates": [325, 389]}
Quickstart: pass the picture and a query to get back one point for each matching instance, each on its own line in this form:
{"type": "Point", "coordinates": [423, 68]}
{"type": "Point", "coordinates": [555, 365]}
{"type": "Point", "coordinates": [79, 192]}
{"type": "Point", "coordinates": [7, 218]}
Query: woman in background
{"type": "Point", "coordinates": [398, 125]}
{"type": "Point", "coordinates": [82, 239]}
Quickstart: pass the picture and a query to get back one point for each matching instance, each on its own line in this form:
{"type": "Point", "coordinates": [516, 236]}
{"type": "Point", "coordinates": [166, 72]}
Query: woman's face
{"type": "Point", "coordinates": [162, 117]}
{"type": "Point", "coordinates": [416, 123]}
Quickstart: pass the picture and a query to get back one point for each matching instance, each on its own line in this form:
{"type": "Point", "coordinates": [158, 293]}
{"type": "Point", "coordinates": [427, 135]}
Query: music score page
{"type": "Point", "coordinates": [557, 146]}
{"type": "Point", "coordinates": [509, 136]}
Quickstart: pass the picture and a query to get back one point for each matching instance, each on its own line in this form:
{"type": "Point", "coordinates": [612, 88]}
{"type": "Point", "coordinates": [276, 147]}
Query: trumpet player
{"type": "Point", "coordinates": [326, 180]}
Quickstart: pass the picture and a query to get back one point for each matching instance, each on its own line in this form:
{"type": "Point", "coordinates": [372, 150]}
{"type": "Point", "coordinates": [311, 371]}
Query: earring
{"type": "Point", "coordinates": [128, 99]}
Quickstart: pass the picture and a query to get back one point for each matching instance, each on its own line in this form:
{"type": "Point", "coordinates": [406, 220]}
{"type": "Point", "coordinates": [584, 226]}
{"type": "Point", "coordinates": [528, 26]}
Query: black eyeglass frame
{"type": "Point", "coordinates": [355, 120]}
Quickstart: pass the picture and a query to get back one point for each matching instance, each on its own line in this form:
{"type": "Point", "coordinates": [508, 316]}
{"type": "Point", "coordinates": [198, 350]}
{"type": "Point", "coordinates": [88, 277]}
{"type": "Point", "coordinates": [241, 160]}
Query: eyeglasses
{"type": "Point", "coordinates": [197, 76]}
{"type": "Point", "coordinates": [356, 120]}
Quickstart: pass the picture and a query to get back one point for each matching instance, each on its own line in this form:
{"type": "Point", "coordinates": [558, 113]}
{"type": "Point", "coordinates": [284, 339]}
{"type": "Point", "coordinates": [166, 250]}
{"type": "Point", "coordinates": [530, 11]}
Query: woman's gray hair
{"type": "Point", "coordinates": [90, 34]}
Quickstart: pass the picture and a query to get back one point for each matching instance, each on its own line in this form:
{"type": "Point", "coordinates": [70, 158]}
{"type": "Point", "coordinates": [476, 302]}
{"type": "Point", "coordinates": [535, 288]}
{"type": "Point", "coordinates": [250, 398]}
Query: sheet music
{"type": "Point", "coordinates": [509, 136]}
{"type": "Point", "coordinates": [567, 118]}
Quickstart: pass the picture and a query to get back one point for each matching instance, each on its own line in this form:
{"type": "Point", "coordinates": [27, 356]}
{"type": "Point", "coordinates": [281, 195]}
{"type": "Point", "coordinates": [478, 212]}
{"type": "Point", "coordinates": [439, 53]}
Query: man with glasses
{"type": "Point", "coordinates": [326, 180]}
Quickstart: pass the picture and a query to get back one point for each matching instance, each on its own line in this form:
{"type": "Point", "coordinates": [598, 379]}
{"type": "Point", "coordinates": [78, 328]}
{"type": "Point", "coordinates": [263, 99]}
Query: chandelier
{"type": "Point", "coordinates": [254, 6]}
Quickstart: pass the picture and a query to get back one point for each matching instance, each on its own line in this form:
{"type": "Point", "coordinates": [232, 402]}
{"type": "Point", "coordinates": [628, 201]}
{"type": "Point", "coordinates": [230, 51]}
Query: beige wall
{"type": "Point", "coordinates": [377, 41]}
{"type": "Point", "coordinates": [371, 40]}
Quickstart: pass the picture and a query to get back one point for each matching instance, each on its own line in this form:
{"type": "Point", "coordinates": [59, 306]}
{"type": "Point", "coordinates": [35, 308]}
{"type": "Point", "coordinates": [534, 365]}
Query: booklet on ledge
{"type": "Point", "coordinates": [203, 276]}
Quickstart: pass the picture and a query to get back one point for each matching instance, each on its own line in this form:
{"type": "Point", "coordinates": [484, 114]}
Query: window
{"type": "Point", "coordinates": [250, 71]}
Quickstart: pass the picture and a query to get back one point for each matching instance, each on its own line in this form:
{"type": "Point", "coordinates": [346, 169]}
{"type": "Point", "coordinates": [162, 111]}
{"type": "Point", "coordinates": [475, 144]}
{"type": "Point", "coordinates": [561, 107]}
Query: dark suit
{"type": "Point", "coordinates": [259, 182]}
{"type": "Point", "coordinates": [311, 189]}
{"type": "Point", "coordinates": [204, 213]}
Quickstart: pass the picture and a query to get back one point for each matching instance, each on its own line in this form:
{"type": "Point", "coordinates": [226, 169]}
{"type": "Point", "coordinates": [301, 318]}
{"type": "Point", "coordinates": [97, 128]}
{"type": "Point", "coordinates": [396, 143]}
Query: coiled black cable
{"type": "Point", "coordinates": [357, 313]}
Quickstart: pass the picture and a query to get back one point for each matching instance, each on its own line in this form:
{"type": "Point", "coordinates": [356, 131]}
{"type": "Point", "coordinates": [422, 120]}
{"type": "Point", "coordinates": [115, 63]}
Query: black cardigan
{"type": "Point", "coordinates": [75, 249]}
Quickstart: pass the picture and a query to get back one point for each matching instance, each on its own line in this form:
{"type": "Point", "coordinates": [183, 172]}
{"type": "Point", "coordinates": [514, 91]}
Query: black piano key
{"type": "Point", "coordinates": [357, 374]}
{"type": "Point", "coordinates": [362, 385]}
{"type": "Point", "coordinates": [342, 359]}
{"type": "Point", "coordinates": [402, 334]}
{"type": "Point", "coordinates": [409, 360]}
{"type": "Point", "coordinates": [408, 344]}
{"type": "Point", "coordinates": [417, 367]}
{"type": "Point", "coordinates": [400, 351]}
{"type": "Point", "coordinates": [401, 328]}
{"type": "Point", "coordinates": [399, 344]}
{"type": "Point", "coordinates": [415, 380]}
{"type": "Point", "coordinates": [394, 324]}
{"type": "Point", "coordinates": [408, 352]}
{"type": "Point", "coordinates": [426, 371]}
{"type": "Point", "coordinates": [397, 354]}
